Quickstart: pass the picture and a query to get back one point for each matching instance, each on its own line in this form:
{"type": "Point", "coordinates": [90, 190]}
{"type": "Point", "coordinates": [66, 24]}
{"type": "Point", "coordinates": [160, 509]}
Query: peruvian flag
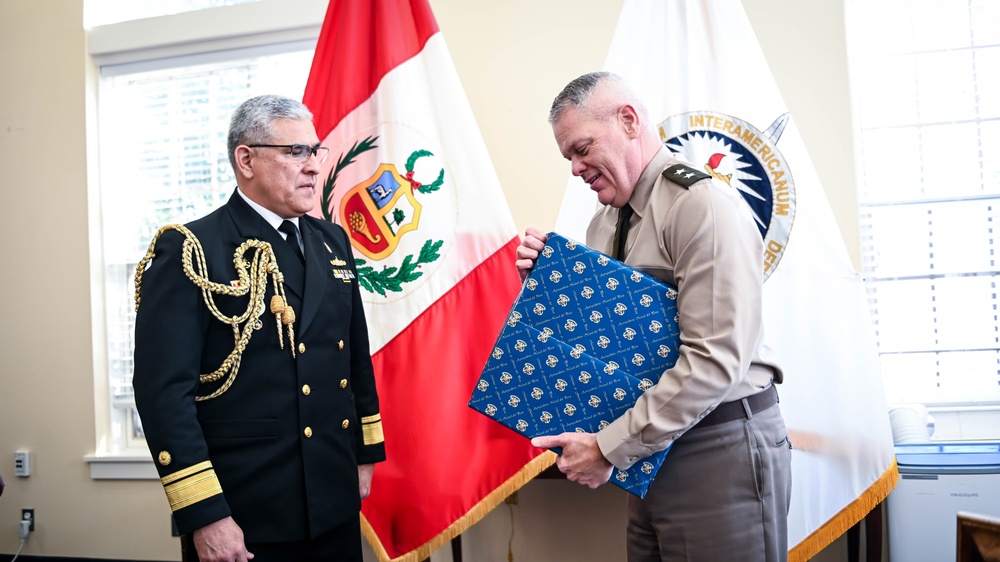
{"type": "Point", "coordinates": [410, 180]}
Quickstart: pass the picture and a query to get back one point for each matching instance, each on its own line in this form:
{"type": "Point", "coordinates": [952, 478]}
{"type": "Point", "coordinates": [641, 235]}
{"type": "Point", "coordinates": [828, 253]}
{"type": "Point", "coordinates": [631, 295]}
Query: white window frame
{"type": "Point", "coordinates": [210, 35]}
{"type": "Point", "coordinates": [956, 411]}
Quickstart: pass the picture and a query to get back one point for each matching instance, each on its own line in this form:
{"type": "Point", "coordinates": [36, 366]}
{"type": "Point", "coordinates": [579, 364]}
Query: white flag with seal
{"type": "Point", "coordinates": [705, 81]}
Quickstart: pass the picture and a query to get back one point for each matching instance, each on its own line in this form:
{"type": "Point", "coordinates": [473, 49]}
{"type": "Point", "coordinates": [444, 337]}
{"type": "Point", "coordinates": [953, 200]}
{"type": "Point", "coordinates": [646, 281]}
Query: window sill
{"type": "Point", "coordinates": [121, 467]}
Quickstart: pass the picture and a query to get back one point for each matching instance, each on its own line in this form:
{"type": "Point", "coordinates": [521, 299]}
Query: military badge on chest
{"type": "Point", "coordinates": [340, 270]}
{"type": "Point", "coordinates": [345, 275]}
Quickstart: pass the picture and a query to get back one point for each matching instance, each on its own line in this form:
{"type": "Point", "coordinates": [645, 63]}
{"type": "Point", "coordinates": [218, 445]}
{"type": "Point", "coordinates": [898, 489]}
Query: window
{"type": "Point", "coordinates": [161, 134]}
{"type": "Point", "coordinates": [928, 93]}
{"type": "Point", "coordinates": [103, 12]}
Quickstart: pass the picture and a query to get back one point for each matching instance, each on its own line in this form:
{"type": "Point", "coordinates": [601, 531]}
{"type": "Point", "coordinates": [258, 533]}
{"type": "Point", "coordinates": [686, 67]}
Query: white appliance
{"type": "Point", "coordinates": [936, 482]}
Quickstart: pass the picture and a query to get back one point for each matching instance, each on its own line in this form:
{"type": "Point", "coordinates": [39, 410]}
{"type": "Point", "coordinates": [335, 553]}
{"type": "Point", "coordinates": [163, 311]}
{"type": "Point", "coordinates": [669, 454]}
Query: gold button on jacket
{"type": "Point", "coordinates": [302, 347]}
{"type": "Point", "coordinates": [308, 432]}
{"type": "Point", "coordinates": [343, 383]}
{"type": "Point", "coordinates": [306, 390]}
{"type": "Point", "coordinates": [345, 424]}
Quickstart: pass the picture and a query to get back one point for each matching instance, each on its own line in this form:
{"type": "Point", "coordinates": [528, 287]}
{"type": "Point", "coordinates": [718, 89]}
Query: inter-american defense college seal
{"type": "Point", "coordinates": [748, 160]}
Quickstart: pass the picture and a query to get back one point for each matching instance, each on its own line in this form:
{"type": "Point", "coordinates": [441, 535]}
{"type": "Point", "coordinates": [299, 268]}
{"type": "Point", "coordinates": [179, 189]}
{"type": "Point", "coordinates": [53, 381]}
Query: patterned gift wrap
{"type": "Point", "coordinates": [585, 337]}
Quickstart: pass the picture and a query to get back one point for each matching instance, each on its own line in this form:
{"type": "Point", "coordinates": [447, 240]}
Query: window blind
{"type": "Point", "coordinates": [928, 92]}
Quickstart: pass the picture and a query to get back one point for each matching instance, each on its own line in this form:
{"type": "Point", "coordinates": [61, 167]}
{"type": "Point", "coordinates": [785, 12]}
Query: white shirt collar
{"type": "Point", "coordinates": [271, 217]}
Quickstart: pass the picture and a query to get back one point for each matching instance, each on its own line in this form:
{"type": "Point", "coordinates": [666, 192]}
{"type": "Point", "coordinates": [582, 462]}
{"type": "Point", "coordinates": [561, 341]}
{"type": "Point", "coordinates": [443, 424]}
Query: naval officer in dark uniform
{"type": "Point", "coordinates": [253, 375]}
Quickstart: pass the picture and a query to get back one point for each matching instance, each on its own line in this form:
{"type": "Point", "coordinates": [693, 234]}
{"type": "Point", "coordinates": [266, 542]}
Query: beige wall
{"type": "Point", "coordinates": [46, 399]}
{"type": "Point", "coordinates": [512, 56]}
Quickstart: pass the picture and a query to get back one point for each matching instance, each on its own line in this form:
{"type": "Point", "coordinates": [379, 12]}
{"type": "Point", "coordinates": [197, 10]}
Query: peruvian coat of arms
{"type": "Point", "coordinates": [377, 213]}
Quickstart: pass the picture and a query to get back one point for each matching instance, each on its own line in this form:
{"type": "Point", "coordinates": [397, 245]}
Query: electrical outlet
{"type": "Point", "coordinates": [22, 463]}
{"type": "Point", "coordinates": [28, 514]}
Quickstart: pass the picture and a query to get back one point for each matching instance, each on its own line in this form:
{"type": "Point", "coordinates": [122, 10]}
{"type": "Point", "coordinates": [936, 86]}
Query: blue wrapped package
{"type": "Point", "coordinates": [585, 337]}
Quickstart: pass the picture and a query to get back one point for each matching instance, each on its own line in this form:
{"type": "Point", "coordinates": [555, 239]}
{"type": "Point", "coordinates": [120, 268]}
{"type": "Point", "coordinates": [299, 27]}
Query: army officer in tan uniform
{"type": "Point", "coordinates": [723, 491]}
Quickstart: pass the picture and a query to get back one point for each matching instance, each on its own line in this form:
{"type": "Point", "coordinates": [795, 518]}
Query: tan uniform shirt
{"type": "Point", "coordinates": [703, 240]}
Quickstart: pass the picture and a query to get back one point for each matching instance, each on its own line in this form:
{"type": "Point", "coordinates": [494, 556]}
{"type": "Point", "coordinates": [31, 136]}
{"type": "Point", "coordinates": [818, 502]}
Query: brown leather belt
{"type": "Point", "coordinates": [729, 411]}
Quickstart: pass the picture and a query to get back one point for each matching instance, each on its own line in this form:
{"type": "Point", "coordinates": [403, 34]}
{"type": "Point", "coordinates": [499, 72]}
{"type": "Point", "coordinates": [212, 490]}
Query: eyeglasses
{"type": "Point", "coordinates": [300, 152]}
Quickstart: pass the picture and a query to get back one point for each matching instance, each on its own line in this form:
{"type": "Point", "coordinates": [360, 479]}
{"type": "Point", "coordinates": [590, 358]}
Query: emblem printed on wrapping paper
{"type": "Point", "coordinates": [585, 338]}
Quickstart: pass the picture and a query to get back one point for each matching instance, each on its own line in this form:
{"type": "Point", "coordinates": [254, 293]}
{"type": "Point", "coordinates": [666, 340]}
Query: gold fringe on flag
{"type": "Point", "coordinates": [847, 518]}
{"type": "Point", "coordinates": [478, 511]}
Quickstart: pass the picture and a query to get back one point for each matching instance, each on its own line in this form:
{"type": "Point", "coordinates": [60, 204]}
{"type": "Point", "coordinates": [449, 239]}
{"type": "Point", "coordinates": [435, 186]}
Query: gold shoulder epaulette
{"type": "Point", "coordinates": [252, 279]}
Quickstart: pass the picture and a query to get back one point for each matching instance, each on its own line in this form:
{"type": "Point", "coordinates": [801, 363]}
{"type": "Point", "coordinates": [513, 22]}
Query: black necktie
{"type": "Point", "coordinates": [621, 232]}
{"type": "Point", "coordinates": [292, 237]}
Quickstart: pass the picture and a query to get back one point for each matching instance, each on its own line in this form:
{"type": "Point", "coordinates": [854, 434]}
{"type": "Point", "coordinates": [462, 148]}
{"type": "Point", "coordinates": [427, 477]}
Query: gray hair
{"type": "Point", "coordinates": [251, 122]}
{"type": "Point", "coordinates": [577, 94]}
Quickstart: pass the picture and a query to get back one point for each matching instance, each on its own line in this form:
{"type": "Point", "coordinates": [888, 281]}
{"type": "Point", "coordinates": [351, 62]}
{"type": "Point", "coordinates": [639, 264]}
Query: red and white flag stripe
{"type": "Point", "coordinates": [410, 179]}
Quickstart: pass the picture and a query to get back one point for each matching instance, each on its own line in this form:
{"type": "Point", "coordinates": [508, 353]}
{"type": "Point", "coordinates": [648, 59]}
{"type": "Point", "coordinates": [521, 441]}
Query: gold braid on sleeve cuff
{"type": "Point", "coordinates": [371, 429]}
{"type": "Point", "coordinates": [191, 485]}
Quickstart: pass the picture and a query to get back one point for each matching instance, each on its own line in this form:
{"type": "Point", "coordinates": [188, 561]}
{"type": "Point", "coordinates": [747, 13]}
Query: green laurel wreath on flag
{"type": "Point", "coordinates": [389, 278]}
{"type": "Point", "coordinates": [345, 159]}
{"type": "Point", "coordinates": [392, 278]}
{"type": "Point", "coordinates": [431, 187]}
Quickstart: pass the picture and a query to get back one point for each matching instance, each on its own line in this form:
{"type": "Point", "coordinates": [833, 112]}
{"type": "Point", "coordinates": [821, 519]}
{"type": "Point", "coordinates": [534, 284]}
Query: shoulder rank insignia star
{"type": "Point", "coordinates": [684, 176]}
{"type": "Point", "coordinates": [338, 262]}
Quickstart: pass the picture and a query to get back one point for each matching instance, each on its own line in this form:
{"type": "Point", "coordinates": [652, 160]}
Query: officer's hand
{"type": "Point", "coordinates": [221, 541]}
{"type": "Point", "coordinates": [527, 252]}
{"type": "Point", "coordinates": [581, 459]}
{"type": "Point", "coordinates": [365, 473]}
